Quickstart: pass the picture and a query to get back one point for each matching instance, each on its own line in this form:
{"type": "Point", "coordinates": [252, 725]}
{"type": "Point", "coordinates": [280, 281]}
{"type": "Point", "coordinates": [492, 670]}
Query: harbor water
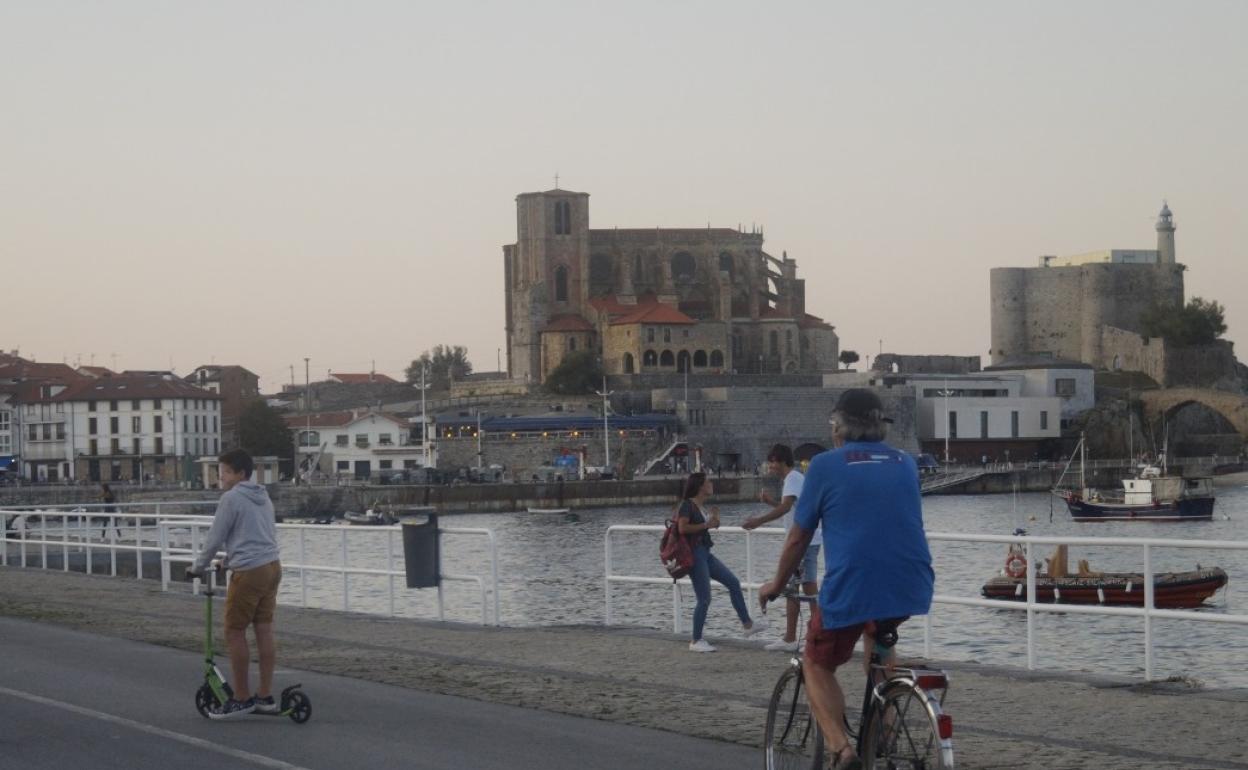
{"type": "Point", "coordinates": [551, 572]}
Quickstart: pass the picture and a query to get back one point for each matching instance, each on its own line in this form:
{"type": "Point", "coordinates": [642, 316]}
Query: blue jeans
{"type": "Point", "coordinates": [705, 569]}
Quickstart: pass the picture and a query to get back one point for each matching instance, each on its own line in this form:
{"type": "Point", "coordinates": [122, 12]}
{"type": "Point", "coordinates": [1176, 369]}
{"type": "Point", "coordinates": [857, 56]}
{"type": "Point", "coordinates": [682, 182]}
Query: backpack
{"type": "Point", "coordinates": [675, 551]}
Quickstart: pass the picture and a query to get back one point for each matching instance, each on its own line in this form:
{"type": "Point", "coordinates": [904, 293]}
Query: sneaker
{"type": "Point", "coordinates": [233, 709]}
{"type": "Point", "coordinates": [266, 705]}
{"type": "Point", "coordinates": [758, 627]}
{"type": "Point", "coordinates": [781, 646]}
{"type": "Point", "coordinates": [701, 646]}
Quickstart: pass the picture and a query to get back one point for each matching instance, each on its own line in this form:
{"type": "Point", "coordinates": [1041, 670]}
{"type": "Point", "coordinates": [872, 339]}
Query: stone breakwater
{"type": "Point", "coordinates": [1003, 718]}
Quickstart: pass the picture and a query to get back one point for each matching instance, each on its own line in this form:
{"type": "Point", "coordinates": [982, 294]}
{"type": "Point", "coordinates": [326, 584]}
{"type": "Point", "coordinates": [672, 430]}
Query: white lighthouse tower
{"type": "Point", "coordinates": [1165, 236]}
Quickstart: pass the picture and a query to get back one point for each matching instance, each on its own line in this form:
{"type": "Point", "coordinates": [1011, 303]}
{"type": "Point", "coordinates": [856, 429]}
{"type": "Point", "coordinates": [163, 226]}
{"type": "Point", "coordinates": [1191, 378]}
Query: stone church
{"type": "Point", "coordinates": [697, 300]}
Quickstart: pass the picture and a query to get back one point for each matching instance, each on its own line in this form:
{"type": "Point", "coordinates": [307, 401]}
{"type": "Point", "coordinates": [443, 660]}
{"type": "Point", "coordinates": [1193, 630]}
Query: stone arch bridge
{"type": "Point", "coordinates": [1164, 402]}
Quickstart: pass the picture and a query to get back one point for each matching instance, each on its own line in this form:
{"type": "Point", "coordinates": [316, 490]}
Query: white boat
{"type": "Point", "coordinates": [548, 510]}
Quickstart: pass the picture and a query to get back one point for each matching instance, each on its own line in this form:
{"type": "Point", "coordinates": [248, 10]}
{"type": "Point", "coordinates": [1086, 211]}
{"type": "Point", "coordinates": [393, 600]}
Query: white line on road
{"type": "Point", "coordinates": [190, 740]}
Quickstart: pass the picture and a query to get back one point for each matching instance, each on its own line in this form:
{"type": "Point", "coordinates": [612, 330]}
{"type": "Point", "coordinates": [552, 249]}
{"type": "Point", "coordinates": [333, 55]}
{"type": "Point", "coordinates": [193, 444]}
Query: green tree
{"type": "Point", "coordinates": [848, 357]}
{"type": "Point", "coordinates": [578, 374]}
{"type": "Point", "coordinates": [444, 363]}
{"type": "Point", "coordinates": [1199, 322]}
{"type": "Point", "coordinates": [262, 431]}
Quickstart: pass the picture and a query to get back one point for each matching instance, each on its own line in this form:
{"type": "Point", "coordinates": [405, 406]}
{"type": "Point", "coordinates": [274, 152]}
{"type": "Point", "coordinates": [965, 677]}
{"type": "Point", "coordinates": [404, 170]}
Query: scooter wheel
{"type": "Point", "coordinates": [205, 701]}
{"type": "Point", "coordinates": [299, 707]}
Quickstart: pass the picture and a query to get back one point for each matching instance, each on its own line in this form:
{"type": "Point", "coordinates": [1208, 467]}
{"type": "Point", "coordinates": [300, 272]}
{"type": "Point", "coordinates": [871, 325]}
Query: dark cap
{"type": "Point", "coordinates": [861, 404]}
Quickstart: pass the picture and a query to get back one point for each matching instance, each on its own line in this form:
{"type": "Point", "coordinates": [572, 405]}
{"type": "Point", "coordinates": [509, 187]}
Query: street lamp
{"type": "Point", "coordinates": [479, 453]}
{"type": "Point", "coordinates": [424, 425]}
{"type": "Point", "coordinates": [946, 392]}
{"type": "Point", "coordinates": [606, 431]}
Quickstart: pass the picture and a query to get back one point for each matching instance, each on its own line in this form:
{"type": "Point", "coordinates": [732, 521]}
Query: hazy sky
{"type": "Point", "coordinates": [256, 182]}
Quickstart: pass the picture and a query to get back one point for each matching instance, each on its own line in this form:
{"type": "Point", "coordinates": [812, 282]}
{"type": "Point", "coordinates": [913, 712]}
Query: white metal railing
{"type": "Point", "coordinates": [1030, 606]}
{"type": "Point", "coordinates": [172, 553]}
{"type": "Point", "coordinates": [748, 584]}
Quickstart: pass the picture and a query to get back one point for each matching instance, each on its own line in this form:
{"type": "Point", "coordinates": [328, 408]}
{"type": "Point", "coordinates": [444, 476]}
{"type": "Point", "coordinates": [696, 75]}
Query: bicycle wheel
{"type": "Point", "coordinates": [904, 732]}
{"type": "Point", "coordinates": [792, 740]}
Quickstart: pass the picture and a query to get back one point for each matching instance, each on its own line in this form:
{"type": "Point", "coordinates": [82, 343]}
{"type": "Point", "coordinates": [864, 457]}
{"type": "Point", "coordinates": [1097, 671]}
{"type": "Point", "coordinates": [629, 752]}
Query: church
{"type": "Point", "coordinates": [652, 300]}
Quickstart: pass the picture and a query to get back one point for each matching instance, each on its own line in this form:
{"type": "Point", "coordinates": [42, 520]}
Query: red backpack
{"type": "Point", "coordinates": [675, 551]}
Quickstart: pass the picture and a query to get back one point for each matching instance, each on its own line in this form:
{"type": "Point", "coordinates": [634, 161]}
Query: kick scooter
{"type": "Point", "coordinates": [215, 690]}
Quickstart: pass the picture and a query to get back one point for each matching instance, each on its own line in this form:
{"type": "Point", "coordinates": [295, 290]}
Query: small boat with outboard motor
{"type": "Point", "coordinates": [1056, 584]}
{"type": "Point", "coordinates": [370, 518]}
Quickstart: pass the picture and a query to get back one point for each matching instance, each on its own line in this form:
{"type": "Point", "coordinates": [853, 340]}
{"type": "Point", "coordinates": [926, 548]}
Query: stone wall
{"type": "Point", "coordinates": [1200, 366]}
{"type": "Point", "coordinates": [903, 364]}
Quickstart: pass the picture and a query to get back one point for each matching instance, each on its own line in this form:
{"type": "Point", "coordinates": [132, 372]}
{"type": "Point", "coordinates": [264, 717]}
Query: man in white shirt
{"type": "Point", "coordinates": [780, 464]}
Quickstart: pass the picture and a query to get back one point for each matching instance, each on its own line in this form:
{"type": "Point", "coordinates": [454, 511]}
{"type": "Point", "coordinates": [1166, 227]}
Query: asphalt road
{"type": "Point", "coordinates": [76, 700]}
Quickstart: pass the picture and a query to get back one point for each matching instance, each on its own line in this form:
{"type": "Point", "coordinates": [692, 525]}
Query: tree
{"type": "Point", "coordinates": [1199, 322]}
{"type": "Point", "coordinates": [578, 374]}
{"type": "Point", "coordinates": [848, 357]}
{"type": "Point", "coordinates": [445, 363]}
{"type": "Point", "coordinates": [263, 432]}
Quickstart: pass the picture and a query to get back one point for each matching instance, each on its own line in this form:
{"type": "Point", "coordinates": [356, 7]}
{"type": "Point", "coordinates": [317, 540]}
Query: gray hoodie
{"type": "Point", "coordinates": [245, 524]}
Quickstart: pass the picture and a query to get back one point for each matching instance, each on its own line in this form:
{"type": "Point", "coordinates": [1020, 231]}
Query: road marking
{"type": "Point", "coordinates": [190, 740]}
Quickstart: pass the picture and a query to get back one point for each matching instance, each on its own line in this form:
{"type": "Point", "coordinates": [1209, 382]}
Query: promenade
{"type": "Point", "coordinates": [643, 678]}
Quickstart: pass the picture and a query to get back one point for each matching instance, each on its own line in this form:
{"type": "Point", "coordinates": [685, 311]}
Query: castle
{"type": "Point", "coordinates": [698, 300]}
{"type": "Point", "coordinates": [1087, 307]}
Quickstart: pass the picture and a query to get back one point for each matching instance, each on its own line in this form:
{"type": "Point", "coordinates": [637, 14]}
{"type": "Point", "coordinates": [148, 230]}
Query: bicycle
{"type": "Point", "coordinates": [901, 725]}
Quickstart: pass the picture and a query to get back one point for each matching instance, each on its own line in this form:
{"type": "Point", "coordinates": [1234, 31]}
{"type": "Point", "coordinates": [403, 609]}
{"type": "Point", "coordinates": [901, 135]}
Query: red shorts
{"type": "Point", "coordinates": [830, 648]}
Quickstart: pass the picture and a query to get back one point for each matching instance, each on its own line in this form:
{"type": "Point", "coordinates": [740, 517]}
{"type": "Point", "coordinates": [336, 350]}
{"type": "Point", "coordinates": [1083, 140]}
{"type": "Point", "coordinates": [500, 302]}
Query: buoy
{"type": "Point", "coordinates": [1015, 565]}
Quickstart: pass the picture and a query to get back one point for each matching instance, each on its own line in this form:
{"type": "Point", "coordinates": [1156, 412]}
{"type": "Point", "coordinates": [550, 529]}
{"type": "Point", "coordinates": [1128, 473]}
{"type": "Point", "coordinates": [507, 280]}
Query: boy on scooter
{"type": "Point", "coordinates": [246, 526]}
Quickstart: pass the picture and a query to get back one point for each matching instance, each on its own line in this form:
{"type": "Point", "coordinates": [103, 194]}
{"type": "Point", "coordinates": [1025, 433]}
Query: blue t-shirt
{"type": "Point", "coordinates": [878, 566]}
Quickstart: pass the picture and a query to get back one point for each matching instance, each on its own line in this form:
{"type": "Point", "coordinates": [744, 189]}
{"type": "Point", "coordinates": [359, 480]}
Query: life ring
{"type": "Point", "coordinates": [1015, 565]}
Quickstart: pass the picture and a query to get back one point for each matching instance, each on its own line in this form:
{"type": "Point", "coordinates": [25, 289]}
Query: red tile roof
{"type": "Point", "coordinates": [29, 370]}
{"type": "Point", "coordinates": [125, 386]}
{"type": "Point", "coordinates": [568, 322]}
{"type": "Point", "coordinates": [647, 310]}
{"type": "Point", "coordinates": [809, 321]}
{"type": "Point", "coordinates": [361, 379]}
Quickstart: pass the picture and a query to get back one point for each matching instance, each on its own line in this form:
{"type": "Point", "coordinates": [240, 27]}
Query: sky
{"type": "Point", "coordinates": [259, 182]}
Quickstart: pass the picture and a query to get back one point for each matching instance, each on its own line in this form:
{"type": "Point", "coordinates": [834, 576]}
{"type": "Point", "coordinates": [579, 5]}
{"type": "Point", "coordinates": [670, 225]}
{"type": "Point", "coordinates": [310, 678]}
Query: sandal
{"type": "Point", "coordinates": [842, 762]}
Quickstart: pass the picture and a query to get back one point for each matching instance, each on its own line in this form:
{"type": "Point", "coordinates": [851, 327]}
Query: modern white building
{"type": "Point", "coordinates": [1071, 381]}
{"type": "Point", "coordinates": [357, 444]}
{"type": "Point", "coordinates": [983, 415]}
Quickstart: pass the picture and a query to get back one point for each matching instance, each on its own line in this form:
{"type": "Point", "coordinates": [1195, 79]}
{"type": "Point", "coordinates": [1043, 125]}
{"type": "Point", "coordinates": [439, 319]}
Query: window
{"type": "Point", "coordinates": [94, 447]}
{"type": "Point", "coordinates": [667, 335]}
{"type": "Point", "coordinates": [216, 446]}
{"type": "Point", "coordinates": [649, 358]}
{"type": "Point", "coordinates": [137, 447]}
{"type": "Point", "coordinates": [5, 420]}
{"type": "Point", "coordinates": [91, 426]}
{"type": "Point", "coordinates": [561, 284]}
{"type": "Point", "coordinates": [1044, 421]}
{"type": "Point", "coordinates": [571, 344]}
{"type": "Point", "coordinates": [387, 465]}
{"type": "Point", "coordinates": [115, 446]}
{"type": "Point", "coordinates": [136, 424]}
{"type": "Point", "coordinates": [385, 439]}
{"type": "Point", "coordinates": [699, 358]}
{"type": "Point", "coordinates": [344, 465]}
{"type": "Point", "coordinates": [33, 433]}
{"type": "Point", "coordinates": [60, 431]}
{"type": "Point", "coordinates": [160, 445]}
{"type": "Point", "coordinates": [6, 445]}
{"type": "Point", "coordinates": [186, 423]}
{"type": "Point", "coordinates": [309, 438]}
{"type": "Point", "coordinates": [953, 425]}
{"type": "Point", "coordinates": [628, 363]}
{"type": "Point", "coordinates": [156, 403]}
{"type": "Point", "coordinates": [112, 406]}
{"type": "Point", "coordinates": [683, 267]}
{"type": "Point", "coordinates": [158, 424]}
{"type": "Point", "coordinates": [215, 429]}
{"type": "Point", "coordinates": [47, 431]}
{"type": "Point", "coordinates": [342, 439]}
{"type": "Point", "coordinates": [361, 439]}
{"type": "Point", "coordinates": [563, 218]}
{"type": "Point", "coordinates": [1014, 424]}
{"type": "Point", "coordinates": [649, 334]}
{"type": "Point", "coordinates": [136, 405]}
{"type": "Point", "coordinates": [1065, 386]}
{"type": "Point", "coordinates": [667, 359]}
{"type": "Point", "coordinates": [685, 333]}
{"type": "Point", "coordinates": [983, 425]}
{"type": "Point", "coordinates": [197, 423]}
{"type": "Point", "coordinates": [717, 359]}
{"type": "Point", "coordinates": [90, 406]}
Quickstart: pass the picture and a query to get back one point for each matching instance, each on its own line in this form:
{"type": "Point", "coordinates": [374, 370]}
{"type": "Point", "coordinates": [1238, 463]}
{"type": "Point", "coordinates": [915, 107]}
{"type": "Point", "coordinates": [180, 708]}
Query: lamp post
{"type": "Point", "coordinates": [479, 452]}
{"type": "Point", "coordinates": [424, 421]}
{"type": "Point", "coordinates": [606, 430]}
{"type": "Point", "coordinates": [307, 409]}
{"type": "Point", "coordinates": [946, 392]}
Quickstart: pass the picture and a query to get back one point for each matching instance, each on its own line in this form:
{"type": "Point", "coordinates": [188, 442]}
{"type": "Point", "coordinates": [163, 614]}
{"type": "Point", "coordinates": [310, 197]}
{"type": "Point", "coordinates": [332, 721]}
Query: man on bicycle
{"type": "Point", "coordinates": [865, 495]}
{"type": "Point", "coordinates": [246, 526]}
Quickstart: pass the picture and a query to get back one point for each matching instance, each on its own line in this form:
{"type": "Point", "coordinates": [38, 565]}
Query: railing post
{"type": "Point", "coordinates": [494, 574]}
{"type": "Point", "coordinates": [22, 537]}
{"type": "Point", "coordinates": [1148, 613]}
{"type": "Point", "coordinates": [1031, 606]}
{"type": "Point", "coordinates": [85, 535]}
{"type": "Point", "coordinates": [43, 536]}
{"type": "Point", "coordinates": [606, 587]}
{"type": "Point", "coordinates": [346, 579]}
{"type": "Point", "coordinates": [390, 568]}
{"type": "Point", "coordinates": [138, 547]}
{"type": "Point", "coordinates": [112, 553]}
{"type": "Point", "coordinates": [303, 576]}
{"type": "Point", "coordinates": [164, 558]}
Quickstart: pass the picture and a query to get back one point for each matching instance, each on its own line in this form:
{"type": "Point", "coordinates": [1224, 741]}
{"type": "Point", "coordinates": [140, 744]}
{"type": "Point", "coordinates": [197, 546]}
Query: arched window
{"type": "Point", "coordinates": [774, 339]}
{"type": "Point", "coordinates": [563, 218]}
{"type": "Point", "coordinates": [561, 284]}
{"type": "Point", "coordinates": [699, 358]}
{"type": "Point", "coordinates": [725, 263]}
{"type": "Point", "coordinates": [649, 358]}
{"type": "Point", "coordinates": [667, 359]}
{"type": "Point", "coordinates": [717, 359]}
{"type": "Point", "coordinates": [628, 363]}
{"type": "Point", "coordinates": [683, 266]}
{"type": "Point", "coordinates": [682, 361]}
{"type": "Point", "coordinates": [601, 274]}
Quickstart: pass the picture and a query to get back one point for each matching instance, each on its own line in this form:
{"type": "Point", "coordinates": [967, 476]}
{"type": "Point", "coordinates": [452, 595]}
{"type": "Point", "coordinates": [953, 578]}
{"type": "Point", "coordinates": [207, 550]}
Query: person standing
{"type": "Point", "coordinates": [696, 521]}
{"type": "Point", "coordinates": [780, 464]}
{"type": "Point", "coordinates": [866, 496]}
{"type": "Point", "coordinates": [246, 526]}
{"type": "Point", "coordinates": [110, 506]}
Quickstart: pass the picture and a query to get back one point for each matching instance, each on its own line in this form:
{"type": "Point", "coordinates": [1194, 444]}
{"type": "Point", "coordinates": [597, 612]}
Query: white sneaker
{"type": "Point", "coordinates": [701, 646]}
{"type": "Point", "coordinates": [781, 646]}
{"type": "Point", "coordinates": [758, 627]}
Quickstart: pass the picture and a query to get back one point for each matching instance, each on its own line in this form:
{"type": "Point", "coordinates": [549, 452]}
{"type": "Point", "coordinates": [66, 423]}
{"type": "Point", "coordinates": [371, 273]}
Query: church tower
{"type": "Point", "coordinates": [1165, 236]}
{"type": "Point", "coordinates": [546, 270]}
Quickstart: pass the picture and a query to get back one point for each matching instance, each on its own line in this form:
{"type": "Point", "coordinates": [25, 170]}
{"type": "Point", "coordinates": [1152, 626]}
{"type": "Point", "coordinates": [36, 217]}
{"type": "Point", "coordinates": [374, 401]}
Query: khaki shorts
{"type": "Point", "coordinates": [252, 595]}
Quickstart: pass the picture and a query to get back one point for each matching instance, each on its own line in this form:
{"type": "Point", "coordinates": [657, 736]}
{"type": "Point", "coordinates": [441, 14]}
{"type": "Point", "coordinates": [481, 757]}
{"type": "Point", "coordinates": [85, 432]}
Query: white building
{"type": "Point", "coordinates": [122, 428]}
{"type": "Point", "coordinates": [8, 427]}
{"type": "Point", "coordinates": [1071, 381]}
{"type": "Point", "coordinates": [357, 443]}
{"type": "Point", "coordinates": [983, 414]}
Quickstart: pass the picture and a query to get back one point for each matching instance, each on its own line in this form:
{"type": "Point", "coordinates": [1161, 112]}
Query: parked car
{"type": "Point", "coordinates": [927, 463]}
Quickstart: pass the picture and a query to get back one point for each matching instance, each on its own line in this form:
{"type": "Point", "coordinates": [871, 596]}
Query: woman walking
{"type": "Point", "coordinates": [696, 522]}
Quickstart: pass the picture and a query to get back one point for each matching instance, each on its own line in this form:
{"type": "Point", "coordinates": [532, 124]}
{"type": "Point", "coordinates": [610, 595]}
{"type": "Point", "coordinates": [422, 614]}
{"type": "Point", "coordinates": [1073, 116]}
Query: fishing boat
{"type": "Point", "coordinates": [1056, 585]}
{"type": "Point", "coordinates": [548, 510]}
{"type": "Point", "coordinates": [369, 518]}
{"type": "Point", "coordinates": [1152, 495]}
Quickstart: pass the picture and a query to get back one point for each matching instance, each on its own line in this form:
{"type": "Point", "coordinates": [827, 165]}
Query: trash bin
{"type": "Point", "coordinates": [422, 553]}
